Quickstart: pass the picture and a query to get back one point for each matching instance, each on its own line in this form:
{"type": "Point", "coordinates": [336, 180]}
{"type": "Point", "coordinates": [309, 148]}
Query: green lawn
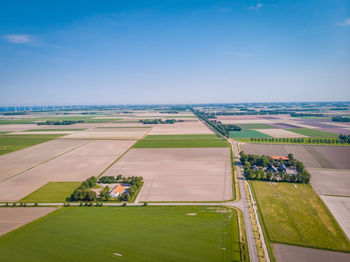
{"type": "Point", "coordinates": [255, 126]}
{"type": "Point", "coordinates": [180, 143]}
{"type": "Point", "coordinates": [10, 143]}
{"type": "Point", "coordinates": [137, 233]}
{"type": "Point", "coordinates": [247, 133]}
{"type": "Point", "coordinates": [294, 214]}
{"type": "Point", "coordinates": [52, 192]}
{"type": "Point", "coordinates": [313, 132]}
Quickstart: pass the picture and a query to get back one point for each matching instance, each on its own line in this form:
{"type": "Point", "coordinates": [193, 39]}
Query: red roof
{"type": "Point", "coordinates": [279, 157]}
{"type": "Point", "coordinates": [118, 189]}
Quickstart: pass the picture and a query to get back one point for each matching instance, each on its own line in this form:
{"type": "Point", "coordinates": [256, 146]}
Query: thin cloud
{"type": "Point", "coordinates": [19, 39]}
{"type": "Point", "coordinates": [256, 7]}
{"type": "Point", "coordinates": [346, 22]}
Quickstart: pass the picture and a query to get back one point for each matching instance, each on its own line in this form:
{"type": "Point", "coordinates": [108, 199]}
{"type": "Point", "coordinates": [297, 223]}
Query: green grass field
{"type": "Point", "coordinates": [313, 132]}
{"type": "Point", "coordinates": [247, 133]}
{"type": "Point", "coordinates": [52, 192]}
{"type": "Point", "coordinates": [255, 126]}
{"type": "Point", "coordinates": [180, 137]}
{"type": "Point", "coordinates": [180, 143]}
{"type": "Point", "coordinates": [137, 233]}
{"type": "Point", "coordinates": [10, 143]}
{"type": "Point", "coordinates": [294, 214]}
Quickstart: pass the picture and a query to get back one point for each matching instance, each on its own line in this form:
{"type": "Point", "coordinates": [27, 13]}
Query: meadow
{"type": "Point", "coordinates": [181, 141]}
{"type": "Point", "coordinates": [313, 132]}
{"type": "Point", "coordinates": [118, 233]}
{"type": "Point", "coordinates": [247, 133]}
{"type": "Point", "coordinates": [52, 192]}
{"type": "Point", "coordinates": [294, 214]}
{"type": "Point", "coordinates": [10, 143]}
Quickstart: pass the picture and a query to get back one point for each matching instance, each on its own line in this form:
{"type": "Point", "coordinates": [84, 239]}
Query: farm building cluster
{"type": "Point", "coordinates": [274, 168]}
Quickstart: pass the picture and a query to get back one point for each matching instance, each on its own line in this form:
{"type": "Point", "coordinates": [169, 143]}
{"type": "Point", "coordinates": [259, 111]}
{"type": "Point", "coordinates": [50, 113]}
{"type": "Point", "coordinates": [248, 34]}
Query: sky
{"type": "Point", "coordinates": [159, 52]}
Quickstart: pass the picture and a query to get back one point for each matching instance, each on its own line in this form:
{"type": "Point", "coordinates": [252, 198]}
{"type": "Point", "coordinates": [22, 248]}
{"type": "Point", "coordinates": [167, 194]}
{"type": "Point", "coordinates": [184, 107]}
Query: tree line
{"type": "Point", "coordinates": [60, 122]}
{"type": "Point", "coordinates": [340, 119]}
{"type": "Point", "coordinates": [159, 121]}
{"type": "Point", "coordinates": [341, 140]}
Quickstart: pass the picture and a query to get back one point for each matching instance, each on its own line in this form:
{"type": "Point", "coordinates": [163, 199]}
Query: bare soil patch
{"type": "Point", "coordinates": [14, 217]}
{"type": "Point", "coordinates": [16, 127]}
{"type": "Point", "coordinates": [179, 174]}
{"type": "Point", "coordinates": [18, 161]}
{"type": "Point", "coordinates": [280, 133]}
{"type": "Point", "coordinates": [109, 133]}
{"type": "Point", "coordinates": [195, 127]}
{"type": "Point", "coordinates": [288, 253]}
{"type": "Point", "coordinates": [77, 165]}
{"type": "Point", "coordinates": [340, 208]}
{"type": "Point", "coordinates": [331, 181]}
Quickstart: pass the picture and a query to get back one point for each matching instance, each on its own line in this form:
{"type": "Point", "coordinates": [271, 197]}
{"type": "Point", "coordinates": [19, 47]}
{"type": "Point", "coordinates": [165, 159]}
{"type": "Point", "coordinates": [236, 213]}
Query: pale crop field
{"type": "Point", "coordinates": [179, 174]}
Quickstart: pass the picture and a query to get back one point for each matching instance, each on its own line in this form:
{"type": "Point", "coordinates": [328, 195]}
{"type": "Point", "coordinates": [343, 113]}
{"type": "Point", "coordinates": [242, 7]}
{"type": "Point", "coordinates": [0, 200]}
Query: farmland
{"type": "Point", "coordinates": [294, 214]}
{"type": "Point", "coordinates": [313, 132]}
{"type": "Point", "coordinates": [89, 159]}
{"type": "Point", "coordinates": [10, 143]}
{"type": "Point", "coordinates": [180, 143]}
{"type": "Point", "coordinates": [312, 156]}
{"type": "Point", "coordinates": [247, 133]}
{"type": "Point", "coordinates": [197, 234]}
{"type": "Point", "coordinates": [255, 126]}
{"type": "Point", "coordinates": [52, 192]}
{"type": "Point", "coordinates": [12, 218]}
{"type": "Point", "coordinates": [179, 174]}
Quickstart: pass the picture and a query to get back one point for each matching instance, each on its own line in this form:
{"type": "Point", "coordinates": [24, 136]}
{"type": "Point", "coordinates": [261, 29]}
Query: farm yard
{"type": "Point", "coordinates": [197, 234]}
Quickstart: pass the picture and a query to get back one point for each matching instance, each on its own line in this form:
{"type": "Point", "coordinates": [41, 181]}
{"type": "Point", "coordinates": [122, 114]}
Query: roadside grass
{"type": "Point", "coordinates": [294, 214]}
{"type": "Point", "coordinates": [247, 133]}
{"type": "Point", "coordinates": [313, 132]}
{"type": "Point", "coordinates": [10, 143]}
{"type": "Point", "coordinates": [177, 233]}
{"type": "Point", "coordinates": [49, 129]}
{"type": "Point", "coordinates": [255, 126]}
{"type": "Point", "coordinates": [52, 192]}
{"type": "Point", "coordinates": [180, 143]}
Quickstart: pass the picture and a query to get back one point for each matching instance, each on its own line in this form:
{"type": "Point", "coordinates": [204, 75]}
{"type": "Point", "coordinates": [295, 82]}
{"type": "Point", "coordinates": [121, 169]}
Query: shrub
{"type": "Point", "coordinates": [145, 204]}
{"type": "Point", "coordinates": [124, 204]}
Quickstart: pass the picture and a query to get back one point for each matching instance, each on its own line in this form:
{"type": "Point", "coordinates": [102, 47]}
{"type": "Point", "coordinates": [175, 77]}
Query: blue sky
{"type": "Point", "coordinates": [133, 52]}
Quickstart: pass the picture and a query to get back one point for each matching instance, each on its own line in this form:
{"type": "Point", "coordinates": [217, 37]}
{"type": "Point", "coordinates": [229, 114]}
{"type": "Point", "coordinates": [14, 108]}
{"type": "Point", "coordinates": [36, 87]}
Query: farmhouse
{"type": "Point", "coordinates": [279, 158]}
{"type": "Point", "coordinates": [272, 168]}
{"type": "Point", "coordinates": [117, 190]}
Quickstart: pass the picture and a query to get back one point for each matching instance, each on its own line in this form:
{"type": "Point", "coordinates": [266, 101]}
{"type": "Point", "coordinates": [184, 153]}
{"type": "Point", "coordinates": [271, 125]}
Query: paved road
{"type": "Point", "coordinates": [247, 219]}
